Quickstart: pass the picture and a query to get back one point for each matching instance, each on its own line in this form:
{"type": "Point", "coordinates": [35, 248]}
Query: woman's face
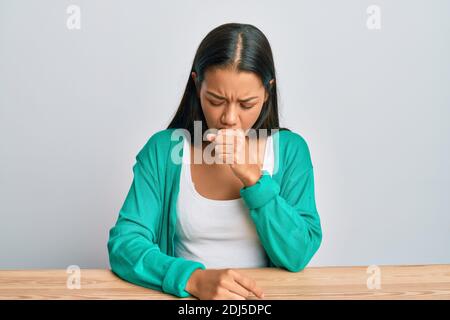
{"type": "Point", "coordinates": [231, 99]}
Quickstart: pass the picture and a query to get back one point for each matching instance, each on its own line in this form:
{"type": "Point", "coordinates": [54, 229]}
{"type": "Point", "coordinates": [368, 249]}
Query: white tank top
{"type": "Point", "coordinates": [218, 233]}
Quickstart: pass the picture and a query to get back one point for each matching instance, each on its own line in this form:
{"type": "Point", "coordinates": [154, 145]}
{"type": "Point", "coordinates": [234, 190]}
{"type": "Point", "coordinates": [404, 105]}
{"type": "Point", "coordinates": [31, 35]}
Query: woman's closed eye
{"type": "Point", "coordinates": [215, 103]}
{"type": "Point", "coordinates": [247, 106]}
{"type": "Point", "coordinates": [244, 106]}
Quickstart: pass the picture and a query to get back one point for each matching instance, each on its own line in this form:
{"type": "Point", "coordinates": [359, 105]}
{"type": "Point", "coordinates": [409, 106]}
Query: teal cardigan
{"type": "Point", "coordinates": [282, 206]}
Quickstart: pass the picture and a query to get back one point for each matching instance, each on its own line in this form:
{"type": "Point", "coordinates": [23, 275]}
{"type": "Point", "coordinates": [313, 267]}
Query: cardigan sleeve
{"type": "Point", "coordinates": [133, 251]}
{"type": "Point", "coordinates": [285, 215]}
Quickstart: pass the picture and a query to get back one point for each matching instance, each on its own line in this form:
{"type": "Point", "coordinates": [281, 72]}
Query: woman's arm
{"type": "Point", "coordinates": [285, 216]}
{"type": "Point", "coordinates": [133, 252]}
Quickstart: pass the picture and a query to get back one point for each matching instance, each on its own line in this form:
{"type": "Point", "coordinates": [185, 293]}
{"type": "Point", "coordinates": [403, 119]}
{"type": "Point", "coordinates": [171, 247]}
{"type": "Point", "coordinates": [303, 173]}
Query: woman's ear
{"type": "Point", "coordinates": [194, 77]}
{"type": "Point", "coordinates": [270, 85]}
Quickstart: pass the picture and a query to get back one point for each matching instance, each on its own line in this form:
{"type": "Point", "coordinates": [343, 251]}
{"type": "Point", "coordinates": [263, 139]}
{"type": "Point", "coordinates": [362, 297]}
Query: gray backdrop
{"type": "Point", "coordinates": [78, 104]}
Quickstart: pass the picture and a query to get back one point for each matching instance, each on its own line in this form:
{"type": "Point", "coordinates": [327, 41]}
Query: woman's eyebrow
{"type": "Point", "coordinates": [223, 98]}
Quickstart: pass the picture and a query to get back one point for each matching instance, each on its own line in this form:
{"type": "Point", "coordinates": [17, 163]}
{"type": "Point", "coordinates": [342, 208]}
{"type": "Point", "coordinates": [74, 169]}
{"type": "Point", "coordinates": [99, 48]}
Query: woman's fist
{"type": "Point", "coordinates": [222, 284]}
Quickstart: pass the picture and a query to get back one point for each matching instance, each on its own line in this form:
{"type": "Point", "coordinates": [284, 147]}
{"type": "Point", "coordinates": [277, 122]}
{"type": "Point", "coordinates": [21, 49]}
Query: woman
{"type": "Point", "coordinates": [185, 225]}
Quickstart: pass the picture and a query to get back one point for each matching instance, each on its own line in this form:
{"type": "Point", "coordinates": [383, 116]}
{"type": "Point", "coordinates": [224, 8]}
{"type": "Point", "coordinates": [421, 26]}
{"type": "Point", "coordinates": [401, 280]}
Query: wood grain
{"type": "Point", "coordinates": [397, 282]}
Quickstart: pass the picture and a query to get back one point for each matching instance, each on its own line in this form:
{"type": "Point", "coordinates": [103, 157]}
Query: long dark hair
{"type": "Point", "coordinates": [240, 46]}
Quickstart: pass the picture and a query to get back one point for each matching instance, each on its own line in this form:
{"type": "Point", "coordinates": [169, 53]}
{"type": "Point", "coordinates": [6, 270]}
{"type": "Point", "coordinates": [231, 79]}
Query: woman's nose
{"type": "Point", "coordinates": [229, 117]}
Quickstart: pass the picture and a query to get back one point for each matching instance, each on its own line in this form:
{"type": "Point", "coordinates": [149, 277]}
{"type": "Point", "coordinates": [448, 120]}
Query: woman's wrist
{"type": "Point", "coordinates": [191, 285]}
{"type": "Point", "coordinates": [250, 180]}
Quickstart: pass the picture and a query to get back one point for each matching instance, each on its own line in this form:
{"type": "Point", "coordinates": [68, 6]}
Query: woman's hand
{"type": "Point", "coordinates": [231, 148]}
{"type": "Point", "coordinates": [221, 284]}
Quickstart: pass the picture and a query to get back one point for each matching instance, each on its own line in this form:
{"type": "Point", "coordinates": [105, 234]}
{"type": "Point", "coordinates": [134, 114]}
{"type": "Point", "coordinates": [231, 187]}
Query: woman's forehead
{"type": "Point", "coordinates": [242, 82]}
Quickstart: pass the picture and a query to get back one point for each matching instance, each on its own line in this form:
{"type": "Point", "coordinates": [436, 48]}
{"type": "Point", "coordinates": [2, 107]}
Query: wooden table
{"type": "Point", "coordinates": [397, 282]}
